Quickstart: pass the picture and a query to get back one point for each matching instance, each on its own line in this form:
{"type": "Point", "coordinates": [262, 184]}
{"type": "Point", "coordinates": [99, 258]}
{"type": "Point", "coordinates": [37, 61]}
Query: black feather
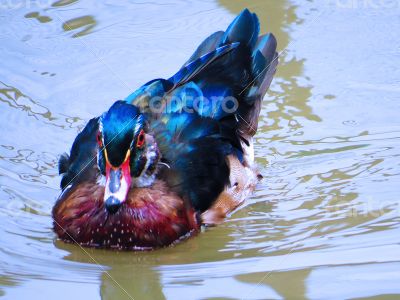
{"type": "Point", "coordinates": [82, 162]}
{"type": "Point", "coordinates": [63, 163]}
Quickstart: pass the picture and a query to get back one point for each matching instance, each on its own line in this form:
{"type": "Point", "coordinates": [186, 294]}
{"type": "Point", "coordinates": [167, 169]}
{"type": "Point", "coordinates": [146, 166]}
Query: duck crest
{"type": "Point", "coordinates": [118, 127]}
{"type": "Point", "coordinates": [176, 154]}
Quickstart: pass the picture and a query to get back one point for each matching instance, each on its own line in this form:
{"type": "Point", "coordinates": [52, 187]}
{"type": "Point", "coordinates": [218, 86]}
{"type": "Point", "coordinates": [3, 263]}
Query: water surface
{"type": "Point", "coordinates": [324, 222]}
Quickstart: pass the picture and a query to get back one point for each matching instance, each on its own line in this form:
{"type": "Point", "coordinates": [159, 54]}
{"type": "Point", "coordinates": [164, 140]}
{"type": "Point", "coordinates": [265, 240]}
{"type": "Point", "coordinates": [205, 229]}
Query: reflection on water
{"type": "Point", "coordinates": [85, 24]}
{"type": "Point", "coordinates": [63, 3]}
{"type": "Point", "coordinates": [324, 223]}
{"type": "Point", "coordinates": [35, 15]}
{"type": "Point", "coordinates": [16, 99]}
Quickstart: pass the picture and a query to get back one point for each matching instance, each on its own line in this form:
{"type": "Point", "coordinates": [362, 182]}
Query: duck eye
{"type": "Point", "coordinates": [99, 139]}
{"type": "Point", "coordinates": [140, 139]}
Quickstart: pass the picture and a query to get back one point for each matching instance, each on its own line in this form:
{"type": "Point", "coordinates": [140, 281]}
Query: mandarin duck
{"type": "Point", "coordinates": [176, 154]}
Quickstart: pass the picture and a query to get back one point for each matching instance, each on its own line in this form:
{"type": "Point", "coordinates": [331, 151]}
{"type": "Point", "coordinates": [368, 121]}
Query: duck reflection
{"type": "Point", "coordinates": [165, 273]}
{"type": "Point", "coordinates": [138, 275]}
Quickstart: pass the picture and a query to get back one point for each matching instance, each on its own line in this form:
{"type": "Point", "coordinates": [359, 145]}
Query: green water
{"type": "Point", "coordinates": [324, 222]}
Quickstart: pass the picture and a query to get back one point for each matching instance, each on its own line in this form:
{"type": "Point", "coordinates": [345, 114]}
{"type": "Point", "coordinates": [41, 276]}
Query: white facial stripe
{"type": "Point", "coordinates": [136, 129]}
{"type": "Point", "coordinates": [100, 124]}
{"type": "Point", "coordinates": [145, 179]}
{"type": "Point", "coordinates": [248, 151]}
{"type": "Point", "coordinates": [138, 124]}
{"type": "Point", "coordinates": [101, 180]}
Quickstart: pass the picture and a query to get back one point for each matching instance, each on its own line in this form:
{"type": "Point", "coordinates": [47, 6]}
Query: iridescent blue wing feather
{"type": "Point", "coordinates": [154, 89]}
{"type": "Point", "coordinates": [197, 129]}
{"type": "Point", "coordinates": [244, 73]}
{"type": "Point", "coordinates": [189, 71]}
{"type": "Point", "coordinates": [195, 152]}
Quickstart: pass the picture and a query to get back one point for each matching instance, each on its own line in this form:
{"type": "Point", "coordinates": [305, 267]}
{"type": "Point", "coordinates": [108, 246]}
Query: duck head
{"type": "Point", "coordinates": [127, 154]}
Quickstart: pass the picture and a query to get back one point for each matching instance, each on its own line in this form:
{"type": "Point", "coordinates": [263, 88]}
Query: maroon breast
{"type": "Point", "coordinates": [149, 218]}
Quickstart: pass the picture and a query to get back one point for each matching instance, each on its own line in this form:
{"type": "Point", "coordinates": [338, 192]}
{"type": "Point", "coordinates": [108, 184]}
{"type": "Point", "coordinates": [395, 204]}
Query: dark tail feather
{"type": "Point", "coordinates": [265, 60]}
{"type": "Point", "coordinates": [264, 63]}
{"type": "Point", "coordinates": [243, 29]}
{"type": "Point", "coordinates": [244, 73]}
{"type": "Point", "coordinates": [194, 67]}
{"type": "Point", "coordinates": [236, 63]}
{"type": "Point", "coordinates": [208, 45]}
{"type": "Point", "coordinates": [63, 163]}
